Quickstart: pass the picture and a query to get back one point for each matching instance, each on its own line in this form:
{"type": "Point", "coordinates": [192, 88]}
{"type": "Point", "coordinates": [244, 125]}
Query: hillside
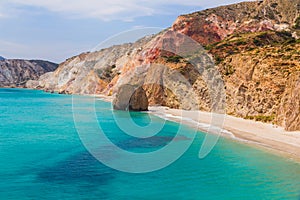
{"type": "Point", "coordinates": [15, 73]}
{"type": "Point", "coordinates": [255, 46]}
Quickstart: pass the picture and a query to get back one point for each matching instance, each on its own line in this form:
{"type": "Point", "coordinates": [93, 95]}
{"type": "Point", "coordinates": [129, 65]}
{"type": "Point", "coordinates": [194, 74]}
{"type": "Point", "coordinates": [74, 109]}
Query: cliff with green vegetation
{"type": "Point", "coordinates": [254, 45]}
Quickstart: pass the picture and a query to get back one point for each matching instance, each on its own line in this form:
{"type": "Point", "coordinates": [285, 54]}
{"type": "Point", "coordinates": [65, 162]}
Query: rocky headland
{"type": "Point", "coordinates": [254, 46]}
{"type": "Point", "coordinates": [15, 73]}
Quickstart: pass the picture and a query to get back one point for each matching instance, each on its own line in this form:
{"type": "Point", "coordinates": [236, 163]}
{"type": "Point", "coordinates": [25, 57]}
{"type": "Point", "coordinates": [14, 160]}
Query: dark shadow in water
{"type": "Point", "coordinates": [82, 168]}
{"type": "Point", "coordinates": [152, 142]}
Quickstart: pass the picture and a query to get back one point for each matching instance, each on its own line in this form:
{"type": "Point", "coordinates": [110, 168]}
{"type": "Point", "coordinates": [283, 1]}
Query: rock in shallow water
{"type": "Point", "coordinates": [129, 97]}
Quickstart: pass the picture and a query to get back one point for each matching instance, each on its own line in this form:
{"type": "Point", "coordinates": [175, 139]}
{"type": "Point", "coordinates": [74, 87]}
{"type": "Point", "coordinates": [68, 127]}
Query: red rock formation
{"type": "Point", "coordinates": [251, 43]}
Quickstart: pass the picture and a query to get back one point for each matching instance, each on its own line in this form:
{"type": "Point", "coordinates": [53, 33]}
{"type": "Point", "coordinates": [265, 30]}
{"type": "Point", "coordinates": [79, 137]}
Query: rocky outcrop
{"type": "Point", "coordinates": [15, 73]}
{"type": "Point", "coordinates": [259, 70]}
{"type": "Point", "coordinates": [255, 46]}
{"type": "Point", "coordinates": [129, 97]}
{"type": "Point", "coordinates": [213, 25]}
{"type": "Point", "coordinates": [90, 73]}
{"type": "Point", "coordinates": [293, 111]}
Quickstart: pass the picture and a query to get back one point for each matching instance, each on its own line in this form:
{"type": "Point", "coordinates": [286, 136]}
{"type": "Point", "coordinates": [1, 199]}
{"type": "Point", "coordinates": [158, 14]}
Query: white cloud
{"type": "Point", "coordinates": [107, 9]}
{"type": "Point", "coordinates": [7, 46]}
{"type": "Point", "coordinates": [56, 52]}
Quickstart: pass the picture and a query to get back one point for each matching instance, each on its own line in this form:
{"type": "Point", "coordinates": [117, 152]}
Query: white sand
{"type": "Point", "coordinates": [268, 136]}
{"type": "Point", "coordinates": [262, 135]}
{"type": "Point", "coordinates": [103, 97]}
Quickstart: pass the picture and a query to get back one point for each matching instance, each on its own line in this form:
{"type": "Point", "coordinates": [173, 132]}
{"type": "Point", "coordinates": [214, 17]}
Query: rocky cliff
{"type": "Point", "coordinates": [255, 47]}
{"type": "Point", "coordinates": [15, 73]}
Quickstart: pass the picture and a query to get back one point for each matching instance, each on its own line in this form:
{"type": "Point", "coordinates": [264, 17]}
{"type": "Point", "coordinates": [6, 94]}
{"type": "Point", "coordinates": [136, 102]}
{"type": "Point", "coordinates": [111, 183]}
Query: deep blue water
{"type": "Point", "coordinates": [42, 157]}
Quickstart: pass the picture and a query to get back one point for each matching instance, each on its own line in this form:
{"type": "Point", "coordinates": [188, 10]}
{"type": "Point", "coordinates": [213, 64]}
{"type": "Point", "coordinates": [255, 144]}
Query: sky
{"type": "Point", "coordinates": [55, 30]}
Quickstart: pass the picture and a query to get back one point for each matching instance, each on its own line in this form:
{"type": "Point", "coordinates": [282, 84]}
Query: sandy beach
{"type": "Point", "coordinates": [261, 135]}
{"type": "Point", "coordinates": [267, 136]}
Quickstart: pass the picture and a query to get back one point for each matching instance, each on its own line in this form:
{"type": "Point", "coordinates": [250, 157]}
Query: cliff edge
{"type": "Point", "coordinates": [254, 45]}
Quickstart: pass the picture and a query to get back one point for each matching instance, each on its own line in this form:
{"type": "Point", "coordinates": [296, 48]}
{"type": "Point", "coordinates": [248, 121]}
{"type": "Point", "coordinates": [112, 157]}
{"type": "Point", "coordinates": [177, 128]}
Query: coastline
{"type": "Point", "coordinates": [261, 135]}
{"type": "Point", "coordinates": [271, 138]}
{"type": "Point", "coordinates": [232, 164]}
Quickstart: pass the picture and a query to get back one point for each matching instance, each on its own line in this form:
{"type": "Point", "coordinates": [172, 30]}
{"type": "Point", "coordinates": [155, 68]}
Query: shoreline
{"type": "Point", "coordinates": [271, 138]}
{"type": "Point", "coordinates": [267, 137]}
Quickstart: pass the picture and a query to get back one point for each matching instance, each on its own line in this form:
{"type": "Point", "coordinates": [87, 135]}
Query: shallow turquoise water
{"type": "Point", "coordinates": [42, 157]}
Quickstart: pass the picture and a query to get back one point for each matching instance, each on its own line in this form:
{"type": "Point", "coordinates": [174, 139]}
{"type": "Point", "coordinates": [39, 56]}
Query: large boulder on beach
{"type": "Point", "coordinates": [129, 97]}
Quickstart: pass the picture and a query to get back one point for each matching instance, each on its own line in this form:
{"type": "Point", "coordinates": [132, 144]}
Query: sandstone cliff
{"type": "Point", "coordinates": [255, 46]}
{"type": "Point", "coordinates": [15, 73]}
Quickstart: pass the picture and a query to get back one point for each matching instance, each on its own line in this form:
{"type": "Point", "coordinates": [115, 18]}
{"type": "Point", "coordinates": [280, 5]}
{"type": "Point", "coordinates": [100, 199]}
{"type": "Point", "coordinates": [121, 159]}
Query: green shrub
{"type": "Point", "coordinates": [261, 118]}
{"type": "Point", "coordinates": [297, 23]}
{"type": "Point", "coordinates": [229, 70]}
{"type": "Point", "coordinates": [257, 42]}
{"type": "Point", "coordinates": [284, 34]}
{"type": "Point", "coordinates": [218, 60]}
{"type": "Point", "coordinates": [241, 42]}
{"type": "Point", "coordinates": [263, 35]}
{"type": "Point", "coordinates": [173, 59]}
{"type": "Point", "coordinates": [223, 45]}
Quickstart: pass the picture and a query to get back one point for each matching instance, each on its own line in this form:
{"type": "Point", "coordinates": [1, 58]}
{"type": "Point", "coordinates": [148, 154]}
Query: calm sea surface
{"type": "Point", "coordinates": [42, 157]}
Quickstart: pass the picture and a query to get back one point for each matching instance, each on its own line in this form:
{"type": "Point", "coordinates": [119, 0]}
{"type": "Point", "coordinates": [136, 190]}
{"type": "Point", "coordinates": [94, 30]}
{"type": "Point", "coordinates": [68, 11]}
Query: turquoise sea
{"type": "Point", "coordinates": [42, 157]}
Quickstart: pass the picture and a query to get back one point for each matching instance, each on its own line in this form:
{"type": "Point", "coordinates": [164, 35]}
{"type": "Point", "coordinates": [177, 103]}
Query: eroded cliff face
{"type": "Point", "coordinates": [254, 45]}
{"type": "Point", "coordinates": [15, 73]}
{"type": "Point", "coordinates": [90, 73]}
{"type": "Point", "coordinates": [289, 110]}
{"type": "Point", "coordinates": [213, 25]}
{"type": "Point", "coordinates": [260, 72]}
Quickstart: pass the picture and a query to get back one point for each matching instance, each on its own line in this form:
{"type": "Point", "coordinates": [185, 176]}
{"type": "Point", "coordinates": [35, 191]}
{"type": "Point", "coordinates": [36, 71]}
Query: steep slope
{"type": "Point", "coordinates": [15, 73]}
{"type": "Point", "coordinates": [255, 46]}
{"type": "Point", "coordinates": [260, 71]}
{"type": "Point", "coordinates": [90, 73]}
{"type": "Point", "coordinates": [213, 25]}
